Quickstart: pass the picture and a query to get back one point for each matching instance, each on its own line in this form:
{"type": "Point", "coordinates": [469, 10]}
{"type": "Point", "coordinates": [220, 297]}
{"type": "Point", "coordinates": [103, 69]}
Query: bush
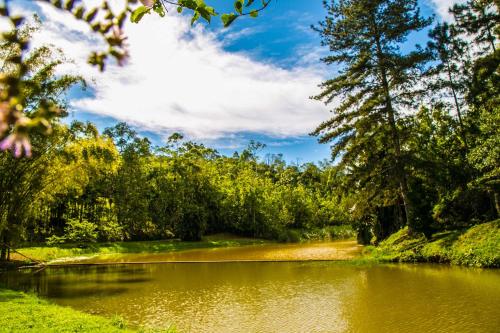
{"type": "Point", "coordinates": [80, 231]}
{"type": "Point", "coordinates": [110, 230]}
{"type": "Point", "coordinates": [330, 233]}
{"type": "Point", "coordinates": [192, 223]}
{"type": "Point", "coordinates": [344, 231]}
{"type": "Point", "coordinates": [56, 240]}
{"type": "Point", "coordinates": [290, 236]}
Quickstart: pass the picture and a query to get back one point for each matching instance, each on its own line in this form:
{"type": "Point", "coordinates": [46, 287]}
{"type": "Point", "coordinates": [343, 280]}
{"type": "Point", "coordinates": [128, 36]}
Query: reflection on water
{"type": "Point", "coordinates": [339, 250]}
{"type": "Point", "coordinates": [278, 297]}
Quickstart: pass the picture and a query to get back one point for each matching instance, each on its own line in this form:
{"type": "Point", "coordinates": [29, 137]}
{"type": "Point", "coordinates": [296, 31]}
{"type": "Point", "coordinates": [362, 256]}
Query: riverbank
{"type": "Point", "coordinates": [478, 246]}
{"type": "Point", "coordinates": [46, 253]}
{"type": "Point", "coordinates": [73, 252]}
{"type": "Point", "coordinates": [20, 312]}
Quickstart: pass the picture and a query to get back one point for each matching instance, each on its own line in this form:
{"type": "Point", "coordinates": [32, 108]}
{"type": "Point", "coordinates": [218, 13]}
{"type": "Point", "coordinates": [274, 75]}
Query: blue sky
{"type": "Point", "coordinates": [222, 87]}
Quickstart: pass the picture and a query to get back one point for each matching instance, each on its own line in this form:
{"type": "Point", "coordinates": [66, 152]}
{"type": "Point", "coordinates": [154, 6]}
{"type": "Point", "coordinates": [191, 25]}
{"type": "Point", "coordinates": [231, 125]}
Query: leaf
{"type": "Point", "coordinates": [69, 5]}
{"type": "Point", "coordinates": [195, 17]}
{"type": "Point", "coordinates": [139, 13]}
{"type": "Point", "coordinates": [249, 3]}
{"type": "Point", "coordinates": [204, 13]}
{"type": "Point", "coordinates": [254, 13]}
{"type": "Point", "coordinates": [179, 10]}
{"type": "Point", "coordinates": [158, 8]}
{"type": "Point", "coordinates": [227, 19]}
{"type": "Point", "coordinates": [90, 16]}
{"type": "Point", "coordinates": [238, 6]}
{"type": "Point", "coordinates": [191, 4]}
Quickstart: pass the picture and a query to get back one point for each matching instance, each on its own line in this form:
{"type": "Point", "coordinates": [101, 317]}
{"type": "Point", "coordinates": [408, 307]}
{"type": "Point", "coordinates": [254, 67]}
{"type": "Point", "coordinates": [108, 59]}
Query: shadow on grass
{"type": "Point", "coordinates": [447, 238]}
{"type": "Point", "coordinates": [9, 295]}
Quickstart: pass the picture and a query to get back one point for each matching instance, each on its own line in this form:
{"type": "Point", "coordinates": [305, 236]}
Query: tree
{"type": "Point", "coordinates": [29, 90]}
{"type": "Point", "coordinates": [22, 180]}
{"type": "Point", "coordinates": [484, 98]}
{"type": "Point", "coordinates": [131, 186]}
{"type": "Point", "coordinates": [377, 84]}
{"type": "Point", "coordinates": [479, 19]}
{"type": "Point", "coordinates": [449, 74]}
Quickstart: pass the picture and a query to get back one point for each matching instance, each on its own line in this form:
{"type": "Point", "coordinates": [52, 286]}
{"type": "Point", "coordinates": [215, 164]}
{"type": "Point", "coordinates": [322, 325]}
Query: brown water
{"type": "Point", "coordinates": [339, 250]}
{"type": "Point", "coordinates": [278, 296]}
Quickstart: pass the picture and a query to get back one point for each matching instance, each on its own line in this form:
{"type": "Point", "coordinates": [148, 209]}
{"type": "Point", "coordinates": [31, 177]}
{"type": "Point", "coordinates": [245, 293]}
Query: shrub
{"type": "Point", "coordinates": [290, 236]}
{"type": "Point", "coordinates": [80, 231]}
{"type": "Point", "coordinates": [192, 223]}
{"type": "Point", "coordinates": [110, 230]}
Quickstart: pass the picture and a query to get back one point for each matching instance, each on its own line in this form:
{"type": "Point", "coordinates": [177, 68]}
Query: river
{"type": "Point", "coordinates": [276, 296]}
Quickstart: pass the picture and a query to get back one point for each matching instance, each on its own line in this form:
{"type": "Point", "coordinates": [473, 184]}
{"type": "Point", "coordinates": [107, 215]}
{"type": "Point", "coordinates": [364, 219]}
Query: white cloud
{"type": "Point", "coordinates": [181, 78]}
{"type": "Point", "coordinates": [442, 8]}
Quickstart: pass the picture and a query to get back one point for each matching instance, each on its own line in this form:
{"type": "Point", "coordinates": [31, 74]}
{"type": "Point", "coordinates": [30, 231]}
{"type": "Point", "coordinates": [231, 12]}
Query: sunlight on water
{"type": "Point", "coordinates": [339, 250]}
{"type": "Point", "coordinates": [278, 297]}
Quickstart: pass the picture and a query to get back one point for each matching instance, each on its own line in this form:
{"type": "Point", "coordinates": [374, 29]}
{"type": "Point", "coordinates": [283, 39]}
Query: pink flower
{"type": "Point", "coordinates": [148, 3]}
{"type": "Point", "coordinates": [4, 111]}
{"type": "Point", "coordinates": [118, 35]}
{"type": "Point", "coordinates": [123, 58]}
{"type": "Point", "coordinates": [18, 143]}
{"type": "Point", "coordinates": [118, 38]}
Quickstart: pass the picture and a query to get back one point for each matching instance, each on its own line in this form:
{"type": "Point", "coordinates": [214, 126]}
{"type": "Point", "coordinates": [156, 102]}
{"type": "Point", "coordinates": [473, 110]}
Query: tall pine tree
{"type": "Point", "coordinates": [373, 90]}
{"type": "Point", "coordinates": [448, 76]}
{"type": "Point", "coordinates": [479, 19]}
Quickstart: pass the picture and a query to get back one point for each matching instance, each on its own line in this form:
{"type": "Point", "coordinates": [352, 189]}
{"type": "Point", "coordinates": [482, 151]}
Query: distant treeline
{"type": "Point", "coordinates": [83, 186]}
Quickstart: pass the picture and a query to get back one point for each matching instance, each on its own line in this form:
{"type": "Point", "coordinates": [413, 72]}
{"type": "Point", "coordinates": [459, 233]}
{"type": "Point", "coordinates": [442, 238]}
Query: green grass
{"type": "Point", "coordinates": [478, 246]}
{"type": "Point", "coordinates": [48, 253]}
{"type": "Point", "coordinates": [20, 312]}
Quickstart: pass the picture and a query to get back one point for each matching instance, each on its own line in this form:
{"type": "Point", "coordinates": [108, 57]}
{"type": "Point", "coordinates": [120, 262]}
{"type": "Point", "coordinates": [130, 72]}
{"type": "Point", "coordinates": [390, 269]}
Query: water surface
{"type": "Point", "coordinates": [338, 250]}
{"type": "Point", "coordinates": [277, 296]}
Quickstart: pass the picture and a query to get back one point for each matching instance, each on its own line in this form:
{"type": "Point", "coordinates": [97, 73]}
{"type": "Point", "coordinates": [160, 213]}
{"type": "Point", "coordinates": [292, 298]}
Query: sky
{"type": "Point", "coordinates": [221, 87]}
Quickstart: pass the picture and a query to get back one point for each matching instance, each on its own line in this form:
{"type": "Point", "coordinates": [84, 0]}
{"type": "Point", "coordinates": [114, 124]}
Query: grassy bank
{"type": "Point", "coordinates": [20, 312]}
{"type": "Point", "coordinates": [48, 253]}
{"type": "Point", "coordinates": [478, 246]}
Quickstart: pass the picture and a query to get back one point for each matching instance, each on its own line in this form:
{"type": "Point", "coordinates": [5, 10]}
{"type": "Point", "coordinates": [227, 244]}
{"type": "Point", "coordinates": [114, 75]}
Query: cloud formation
{"type": "Point", "coordinates": [443, 6]}
{"type": "Point", "coordinates": [181, 78]}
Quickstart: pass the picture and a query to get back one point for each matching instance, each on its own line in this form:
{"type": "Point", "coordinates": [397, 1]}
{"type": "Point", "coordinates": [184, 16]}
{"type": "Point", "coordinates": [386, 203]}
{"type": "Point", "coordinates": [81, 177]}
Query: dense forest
{"type": "Point", "coordinates": [415, 142]}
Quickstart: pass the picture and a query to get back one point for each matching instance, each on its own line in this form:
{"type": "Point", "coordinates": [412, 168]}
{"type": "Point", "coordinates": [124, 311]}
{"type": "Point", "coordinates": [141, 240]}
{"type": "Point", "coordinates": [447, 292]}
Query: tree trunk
{"type": "Point", "coordinates": [4, 255]}
{"type": "Point", "coordinates": [457, 106]}
{"type": "Point", "coordinates": [496, 199]}
{"type": "Point", "coordinates": [400, 170]}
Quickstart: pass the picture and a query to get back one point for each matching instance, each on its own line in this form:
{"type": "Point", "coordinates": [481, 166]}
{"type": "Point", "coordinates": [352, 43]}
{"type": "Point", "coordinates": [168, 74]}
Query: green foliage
{"type": "Point", "coordinates": [422, 156]}
{"type": "Point", "coordinates": [62, 251]}
{"type": "Point", "coordinates": [478, 19]}
{"type": "Point", "coordinates": [331, 233]}
{"type": "Point", "coordinates": [20, 312]}
{"type": "Point", "coordinates": [478, 246]}
{"type": "Point", "coordinates": [405, 157]}
{"type": "Point", "coordinates": [80, 231]}
{"type": "Point", "coordinates": [110, 230]}
{"type": "Point", "coordinates": [115, 187]}
{"type": "Point", "coordinates": [376, 84]}
{"type": "Point", "coordinates": [138, 13]}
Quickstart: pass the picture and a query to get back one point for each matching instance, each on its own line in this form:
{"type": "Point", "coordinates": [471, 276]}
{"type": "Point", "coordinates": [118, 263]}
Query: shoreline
{"type": "Point", "coordinates": [478, 246]}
